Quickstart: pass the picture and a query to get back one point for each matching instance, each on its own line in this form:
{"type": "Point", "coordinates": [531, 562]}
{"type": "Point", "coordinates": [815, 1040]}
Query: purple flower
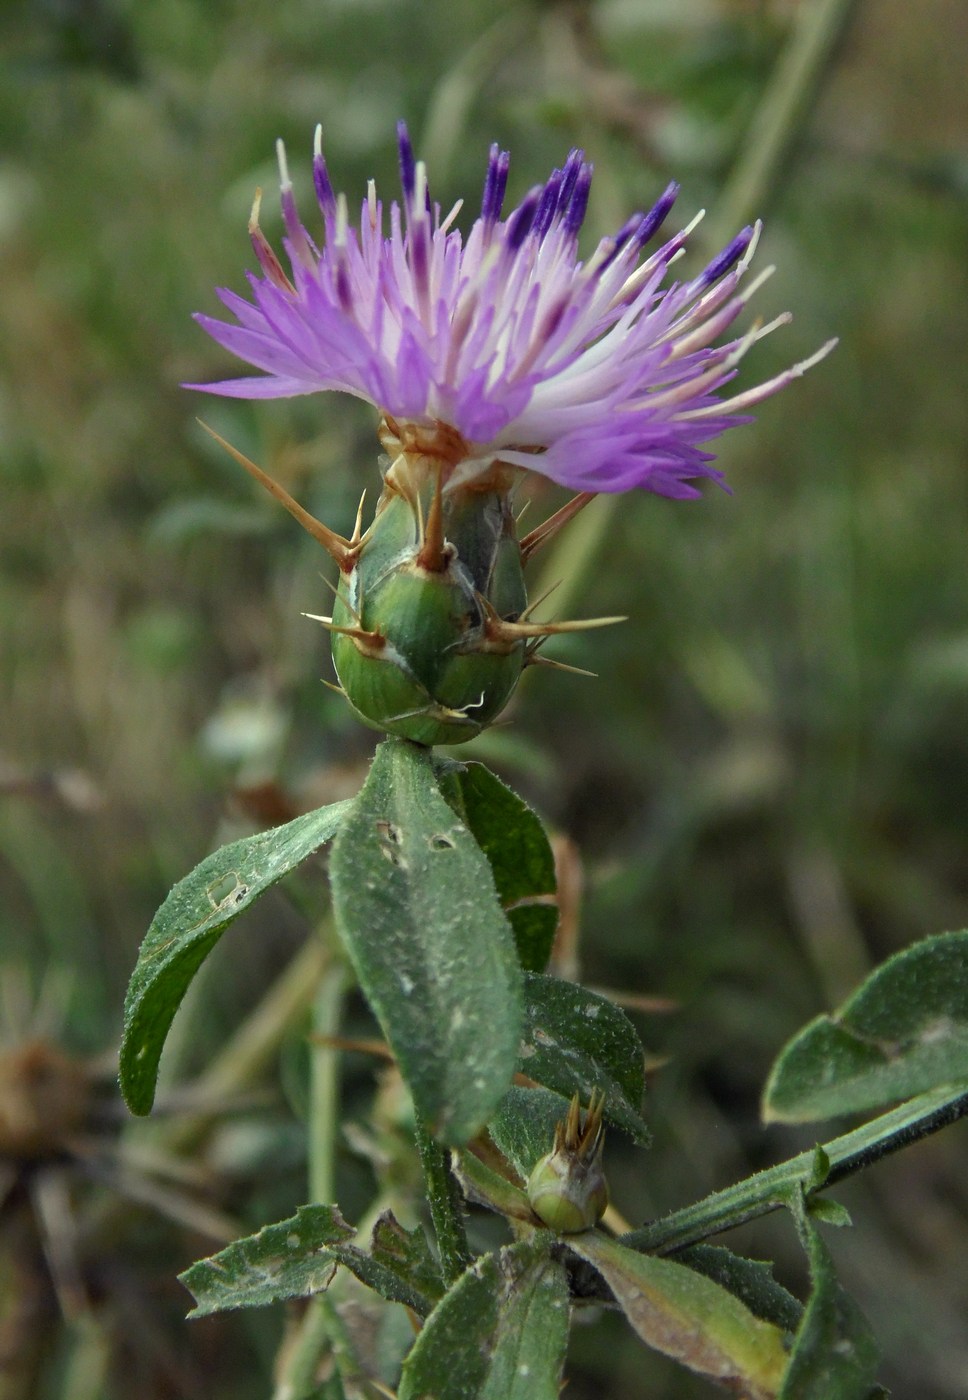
{"type": "Point", "coordinates": [507, 347]}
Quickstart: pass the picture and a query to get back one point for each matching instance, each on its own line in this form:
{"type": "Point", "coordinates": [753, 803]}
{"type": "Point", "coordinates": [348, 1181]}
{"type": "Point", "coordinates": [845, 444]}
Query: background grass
{"type": "Point", "coordinates": [767, 784]}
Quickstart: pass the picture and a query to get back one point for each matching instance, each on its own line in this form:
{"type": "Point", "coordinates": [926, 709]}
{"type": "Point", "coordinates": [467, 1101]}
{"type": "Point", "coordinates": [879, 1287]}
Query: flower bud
{"type": "Point", "coordinates": [421, 641]}
{"type": "Point", "coordinates": [567, 1188]}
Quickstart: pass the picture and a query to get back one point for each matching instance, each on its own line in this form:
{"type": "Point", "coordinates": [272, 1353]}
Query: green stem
{"type": "Point", "coordinates": [324, 1085]}
{"type": "Point", "coordinates": [768, 1190]}
{"type": "Point", "coordinates": [322, 1328]}
{"type": "Point", "coordinates": [444, 1197]}
{"type": "Point", "coordinates": [774, 124]}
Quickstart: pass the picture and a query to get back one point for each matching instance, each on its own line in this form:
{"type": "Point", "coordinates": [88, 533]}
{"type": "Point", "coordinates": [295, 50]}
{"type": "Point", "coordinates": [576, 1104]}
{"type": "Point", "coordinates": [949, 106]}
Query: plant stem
{"type": "Point", "coordinates": [322, 1328]}
{"type": "Point", "coordinates": [444, 1196]}
{"type": "Point", "coordinates": [774, 124]}
{"type": "Point", "coordinates": [768, 1190]}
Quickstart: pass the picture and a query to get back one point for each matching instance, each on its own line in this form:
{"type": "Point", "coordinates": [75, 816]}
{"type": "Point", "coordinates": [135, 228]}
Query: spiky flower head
{"type": "Point", "coordinates": [507, 348]}
{"type": "Point", "coordinates": [484, 357]}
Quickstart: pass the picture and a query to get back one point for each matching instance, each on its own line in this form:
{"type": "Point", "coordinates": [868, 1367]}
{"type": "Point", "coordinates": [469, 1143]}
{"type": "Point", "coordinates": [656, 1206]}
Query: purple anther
{"type": "Point", "coordinates": [572, 169]}
{"type": "Point", "coordinates": [408, 165]}
{"type": "Point", "coordinates": [574, 215]}
{"type": "Point", "coordinates": [495, 183]}
{"type": "Point", "coordinates": [548, 207]}
{"type": "Point", "coordinates": [325, 193]}
{"type": "Point", "coordinates": [519, 224]}
{"type": "Point", "coordinates": [656, 216]}
{"type": "Point", "coordinates": [730, 255]}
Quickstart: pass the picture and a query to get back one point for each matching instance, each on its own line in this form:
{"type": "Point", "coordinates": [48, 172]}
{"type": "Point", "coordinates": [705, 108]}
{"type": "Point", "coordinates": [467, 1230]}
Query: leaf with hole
{"type": "Point", "coordinates": [299, 1256]}
{"type": "Point", "coordinates": [416, 907]}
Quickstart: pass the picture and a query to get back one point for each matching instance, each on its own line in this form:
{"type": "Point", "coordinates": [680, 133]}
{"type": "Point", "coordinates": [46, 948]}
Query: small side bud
{"type": "Point", "coordinates": [567, 1188]}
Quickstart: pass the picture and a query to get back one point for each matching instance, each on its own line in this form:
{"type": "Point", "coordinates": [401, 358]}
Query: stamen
{"type": "Point", "coordinates": [298, 237]}
{"type": "Point", "coordinates": [574, 215]}
{"type": "Point", "coordinates": [268, 261]}
{"type": "Point", "coordinates": [574, 166]}
{"type": "Point", "coordinates": [730, 255]}
{"type": "Point", "coordinates": [323, 185]}
{"type": "Point", "coordinates": [519, 224]}
{"type": "Point", "coordinates": [495, 183]}
{"type": "Point", "coordinates": [761, 391]}
{"type": "Point", "coordinates": [657, 215]}
{"type": "Point", "coordinates": [442, 228]}
{"type": "Point", "coordinates": [407, 162]}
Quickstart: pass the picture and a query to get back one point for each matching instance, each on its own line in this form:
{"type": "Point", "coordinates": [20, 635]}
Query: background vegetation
{"type": "Point", "coordinates": [766, 789]}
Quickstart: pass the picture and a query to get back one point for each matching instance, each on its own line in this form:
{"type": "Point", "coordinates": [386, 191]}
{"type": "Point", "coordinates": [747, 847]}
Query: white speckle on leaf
{"type": "Point", "coordinates": [292, 1240]}
{"type": "Point", "coordinates": [592, 1010]}
{"type": "Point", "coordinates": [406, 984]}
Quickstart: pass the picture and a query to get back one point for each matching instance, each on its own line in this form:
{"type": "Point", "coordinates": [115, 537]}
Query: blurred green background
{"type": "Point", "coordinates": [767, 785]}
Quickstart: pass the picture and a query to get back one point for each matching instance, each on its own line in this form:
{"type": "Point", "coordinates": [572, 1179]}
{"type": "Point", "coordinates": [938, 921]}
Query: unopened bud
{"type": "Point", "coordinates": [567, 1188]}
{"type": "Point", "coordinates": [415, 643]}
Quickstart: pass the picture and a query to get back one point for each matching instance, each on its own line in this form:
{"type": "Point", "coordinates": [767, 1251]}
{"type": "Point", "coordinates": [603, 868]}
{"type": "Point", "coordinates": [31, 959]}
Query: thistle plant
{"type": "Point", "coordinates": [487, 359]}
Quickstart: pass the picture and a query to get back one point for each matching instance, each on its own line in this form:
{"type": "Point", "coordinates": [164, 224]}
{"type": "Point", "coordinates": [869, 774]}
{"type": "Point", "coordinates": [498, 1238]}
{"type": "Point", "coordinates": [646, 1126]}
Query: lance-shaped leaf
{"type": "Point", "coordinates": [499, 1334]}
{"type": "Point", "coordinates": [834, 1356]}
{"type": "Point", "coordinates": [522, 863]}
{"type": "Point", "coordinates": [903, 1032]}
{"type": "Point", "coordinates": [575, 1039]}
{"type": "Point", "coordinates": [750, 1280]}
{"type": "Point", "coordinates": [299, 1256]}
{"type": "Point", "coordinates": [689, 1317]}
{"type": "Point", "coordinates": [416, 906]}
{"type": "Point", "coordinates": [189, 924]}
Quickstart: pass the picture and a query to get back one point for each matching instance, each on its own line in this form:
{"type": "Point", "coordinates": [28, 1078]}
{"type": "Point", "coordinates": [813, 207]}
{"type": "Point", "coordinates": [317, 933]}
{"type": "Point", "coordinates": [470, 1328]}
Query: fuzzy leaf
{"type": "Point", "coordinates": [416, 906]}
{"type": "Point", "coordinates": [750, 1280]}
{"type": "Point", "coordinates": [293, 1259]}
{"type": "Point", "coordinates": [485, 1187]}
{"type": "Point", "coordinates": [522, 863]}
{"type": "Point", "coordinates": [575, 1039]}
{"type": "Point", "coordinates": [834, 1355]}
{"type": "Point", "coordinates": [523, 1129]}
{"type": "Point", "coordinates": [499, 1334]}
{"type": "Point", "coordinates": [687, 1316]}
{"type": "Point", "coordinates": [299, 1256]}
{"type": "Point", "coordinates": [903, 1032]}
{"type": "Point", "coordinates": [189, 924]}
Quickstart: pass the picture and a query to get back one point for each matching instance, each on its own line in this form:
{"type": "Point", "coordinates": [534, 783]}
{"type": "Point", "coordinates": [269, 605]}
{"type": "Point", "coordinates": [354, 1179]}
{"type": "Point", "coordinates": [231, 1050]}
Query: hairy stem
{"type": "Point", "coordinates": [768, 1190]}
{"type": "Point", "coordinates": [444, 1197]}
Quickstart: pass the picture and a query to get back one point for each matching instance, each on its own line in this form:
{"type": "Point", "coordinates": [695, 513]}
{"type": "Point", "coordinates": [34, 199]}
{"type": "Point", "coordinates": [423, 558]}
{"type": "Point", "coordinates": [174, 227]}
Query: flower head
{"type": "Point", "coordinates": [507, 348]}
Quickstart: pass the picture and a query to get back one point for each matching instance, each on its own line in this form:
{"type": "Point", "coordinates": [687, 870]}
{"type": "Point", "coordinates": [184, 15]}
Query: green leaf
{"type": "Point", "coordinates": [903, 1032]}
{"type": "Point", "coordinates": [399, 1265]}
{"type": "Point", "coordinates": [834, 1356]}
{"type": "Point", "coordinates": [293, 1259]}
{"type": "Point", "coordinates": [189, 924]}
{"type": "Point", "coordinates": [485, 1187]}
{"type": "Point", "coordinates": [750, 1280]}
{"type": "Point", "coordinates": [299, 1256]}
{"type": "Point", "coordinates": [522, 863]}
{"type": "Point", "coordinates": [416, 906]}
{"type": "Point", "coordinates": [575, 1039]}
{"type": "Point", "coordinates": [499, 1334]}
{"type": "Point", "coordinates": [523, 1129]}
{"type": "Point", "coordinates": [689, 1317]}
